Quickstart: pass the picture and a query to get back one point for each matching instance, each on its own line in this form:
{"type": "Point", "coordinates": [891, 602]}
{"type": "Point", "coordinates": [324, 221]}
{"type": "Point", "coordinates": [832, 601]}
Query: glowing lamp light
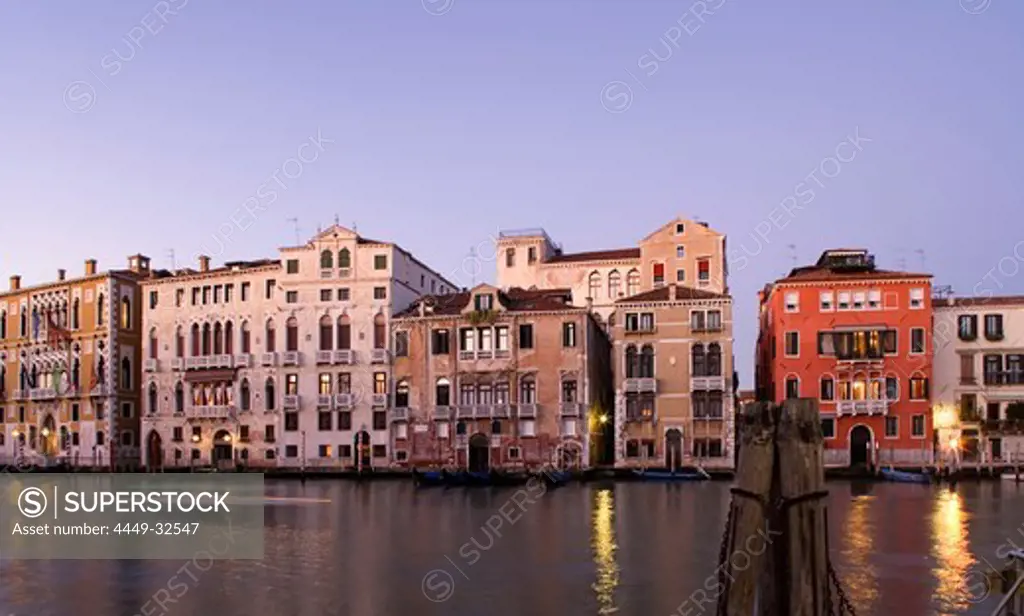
{"type": "Point", "coordinates": [46, 432]}
{"type": "Point", "coordinates": [227, 438]}
{"type": "Point", "coordinates": [603, 419]}
{"type": "Point", "coordinates": [944, 418]}
{"type": "Point", "coordinates": [16, 434]}
{"type": "Point", "coordinates": [195, 438]}
{"type": "Point", "coordinates": [954, 443]}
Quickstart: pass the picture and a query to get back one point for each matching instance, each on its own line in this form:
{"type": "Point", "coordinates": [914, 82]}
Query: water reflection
{"type": "Point", "coordinates": [860, 575]}
{"type": "Point", "coordinates": [602, 542]}
{"type": "Point", "coordinates": [951, 552]}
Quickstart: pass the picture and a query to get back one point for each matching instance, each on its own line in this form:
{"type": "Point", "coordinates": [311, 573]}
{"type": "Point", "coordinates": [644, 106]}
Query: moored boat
{"type": "Point", "coordinates": [428, 478]}
{"type": "Point", "coordinates": [695, 475]}
{"type": "Point", "coordinates": [555, 479]}
{"type": "Point", "coordinates": [1012, 477]}
{"type": "Point", "coordinates": [904, 477]}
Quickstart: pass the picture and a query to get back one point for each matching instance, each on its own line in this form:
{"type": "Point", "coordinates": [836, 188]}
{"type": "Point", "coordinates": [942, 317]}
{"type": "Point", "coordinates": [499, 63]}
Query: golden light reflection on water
{"type": "Point", "coordinates": [859, 575]}
{"type": "Point", "coordinates": [953, 558]}
{"type": "Point", "coordinates": [602, 542]}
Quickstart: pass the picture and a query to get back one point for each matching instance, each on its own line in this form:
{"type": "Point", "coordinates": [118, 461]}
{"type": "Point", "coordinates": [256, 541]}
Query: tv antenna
{"type": "Point", "coordinates": [472, 257]}
{"type": "Point", "coordinates": [944, 291]}
{"type": "Point", "coordinates": [170, 255]}
{"type": "Point", "coordinates": [792, 254]}
{"type": "Point", "coordinates": [902, 261]}
{"type": "Point", "coordinates": [920, 253]}
{"type": "Point", "coordinates": [295, 221]}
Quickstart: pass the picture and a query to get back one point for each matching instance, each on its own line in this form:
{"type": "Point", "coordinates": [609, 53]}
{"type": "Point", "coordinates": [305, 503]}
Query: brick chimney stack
{"type": "Point", "coordinates": [15, 282]}
{"type": "Point", "coordinates": [90, 267]}
{"type": "Point", "coordinates": [62, 274]}
{"type": "Point", "coordinates": [204, 263]}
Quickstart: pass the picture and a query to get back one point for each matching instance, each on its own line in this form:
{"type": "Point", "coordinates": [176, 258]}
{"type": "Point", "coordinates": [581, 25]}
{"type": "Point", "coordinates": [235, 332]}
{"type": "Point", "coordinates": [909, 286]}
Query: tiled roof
{"type": "Point", "coordinates": [597, 255]}
{"type": "Point", "coordinates": [815, 274]}
{"type": "Point", "coordinates": [227, 267]}
{"type": "Point", "coordinates": [664, 294]}
{"type": "Point", "coordinates": [513, 300]}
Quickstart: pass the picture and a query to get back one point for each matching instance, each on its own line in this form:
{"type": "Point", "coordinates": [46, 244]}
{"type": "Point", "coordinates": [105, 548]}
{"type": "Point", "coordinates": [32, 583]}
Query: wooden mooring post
{"type": "Point", "coordinates": [779, 497]}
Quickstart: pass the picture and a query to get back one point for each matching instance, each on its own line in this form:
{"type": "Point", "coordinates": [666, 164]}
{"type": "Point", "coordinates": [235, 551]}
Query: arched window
{"type": "Point", "coordinates": [154, 346]}
{"type": "Point", "coordinates": [3, 378]}
{"type": "Point", "coordinates": [101, 370]}
{"type": "Point", "coordinates": [647, 362]}
{"type": "Point", "coordinates": [179, 398]}
{"type": "Point", "coordinates": [632, 362]}
{"type": "Point", "coordinates": [196, 348]}
{"type": "Point", "coordinates": [152, 399]}
{"type": "Point", "coordinates": [460, 428]}
{"type": "Point", "coordinates": [244, 396]}
{"type": "Point", "coordinates": [714, 362]}
{"type": "Point", "coordinates": [207, 339]}
{"type": "Point", "coordinates": [632, 282]}
{"type": "Point", "coordinates": [496, 426]}
{"type": "Point", "coordinates": [443, 392]}
{"type": "Point", "coordinates": [326, 260]}
{"type": "Point", "coordinates": [270, 399]}
{"type": "Point", "coordinates": [126, 313]}
{"type": "Point", "coordinates": [291, 334]}
{"type": "Point", "coordinates": [76, 373]}
{"type": "Point", "coordinates": [326, 332]}
{"type": "Point", "coordinates": [344, 258]}
{"type": "Point", "coordinates": [35, 323]}
{"type": "Point", "coordinates": [614, 284]}
{"type": "Point", "coordinates": [229, 338]}
{"type": "Point", "coordinates": [3, 324]}
{"type": "Point", "coordinates": [271, 335]}
{"type": "Point", "coordinates": [402, 395]}
{"type": "Point", "coordinates": [379, 332]}
{"type": "Point", "coordinates": [179, 342]}
{"type": "Point", "coordinates": [246, 339]}
{"type": "Point", "coordinates": [344, 333]}
{"type": "Point", "coordinates": [527, 390]}
{"type": "Point", "coordinates": [101, 310]}
{"type": "Point", "coordinates": [218, 339]}
{"type": "Point", "coordinates": [75, 307]}
{"type": "Point", "coordinates": [126, 373]}
{"type": "Point", "coordinates": [697, 356]}
{"type": "Point", "coordinates": [594, 285]}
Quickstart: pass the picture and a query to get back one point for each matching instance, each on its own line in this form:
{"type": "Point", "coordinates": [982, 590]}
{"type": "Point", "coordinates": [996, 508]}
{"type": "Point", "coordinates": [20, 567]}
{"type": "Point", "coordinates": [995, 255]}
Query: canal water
{"type": "Point", "coordinates": [387, 548]}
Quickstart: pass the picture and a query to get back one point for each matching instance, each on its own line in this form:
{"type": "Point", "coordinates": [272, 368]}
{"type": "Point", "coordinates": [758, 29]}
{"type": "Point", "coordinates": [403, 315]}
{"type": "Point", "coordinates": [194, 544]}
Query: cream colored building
{"type": "Point", "coordinates": [682, 251]}
{"type": "Point", "coordinates": [69, 368]}
{"type": "Point", "coordinates": [979, 374]}
{"type": "Point", "coordinates": [674, 390]}
{"type": "Point", "coordinates": [280, 362]}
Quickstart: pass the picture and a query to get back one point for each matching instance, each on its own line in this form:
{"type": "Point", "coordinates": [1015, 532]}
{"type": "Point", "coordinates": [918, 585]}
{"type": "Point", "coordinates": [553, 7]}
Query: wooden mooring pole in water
{"type": "Point", "coordinates": [779, 495]}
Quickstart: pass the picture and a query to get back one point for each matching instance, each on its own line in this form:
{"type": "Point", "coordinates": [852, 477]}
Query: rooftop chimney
{"type": "Point", "coordinates": [90, 267]}
{"type": "Point", "coordinates": [204, 263]}
{"type": "Point", "coordinates": [62, 274]}
{"type": "Point", "coordinates": [15, 282]}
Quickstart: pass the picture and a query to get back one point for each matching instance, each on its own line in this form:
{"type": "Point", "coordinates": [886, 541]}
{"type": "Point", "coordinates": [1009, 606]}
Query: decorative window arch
{"type": "Point", "coordinates": [698, 360]}
{"type": "Point", "coordinates": [229, 338]}
{"type": "Point", "coordinates": [632, 282]}
{"type": "Point", "coordinates": [326, 333]}
{"type": "Point", "coordinates": [101, 310]}
{"type": "Point", "coordinates": [75, 314]}
{"type": "Point", "coordinates": [244, 395]}
{"type": "Point", "coordinates": [207, 339]}
{"type": "Point", "coordinates": [246, 338]}
{"type": "Point", "coordinates": [614, 284]}
{"type": "Point", "coordinates": [647, 362]}
{"type": "Point", "coordinates": [126, 373]}
{"type": "Point", "coordinates": [496, 426]}
{"type": "Point", "coordinates": [443, 392]}
{"type": "Point", "coordinates": [380, 338]}
{"type": "Point", "coordinates": [326, 259]}
{"type": "Point", "coordinates": [154, 345]}
{"type": "Point", "coordinates": [152, 399]}
{"type": "Point", "coordinates": [594, 285]}
{"type": "Point", "coordinates": [714, 360]}
{"type": "Point", "coordinates": [179, 398]}
{"type": "Point", "coordinates": [218, 339]}
{"type": "Point", "coordinates": [126, 313]}
{"type": "Point", "coordinates": [269, 394]}
{"type": "Point", "coordinates": [344, 333]}
{"type": "Point", "coordinates": [291, 334]}
{"type": "Point", "coordinates": [179, 342]}
{"type": "Point", "coordinates": [271, 336]}
{"type": "Point", "coordinates": [632, 362]}
{"type": "Point", "coordinates": [528, 390]}
{"type": "Point", "coordinates": [3, 324]}
{"type": "Point", "coordinates": [402, 394]}
{"type": "Point", "coordinates": [344, 258]}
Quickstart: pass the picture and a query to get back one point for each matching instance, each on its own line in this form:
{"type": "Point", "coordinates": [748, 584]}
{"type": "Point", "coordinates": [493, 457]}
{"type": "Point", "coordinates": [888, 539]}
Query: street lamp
{"type": "Point", "coordinates": [227, 438]}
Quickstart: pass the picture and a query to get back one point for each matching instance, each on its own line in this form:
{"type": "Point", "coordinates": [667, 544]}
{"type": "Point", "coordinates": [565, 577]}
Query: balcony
{"type": "Point", "coordinates": [19, 394]}
{"type": "Point", "coordinates": [224, 361]}
{"type": "Point", "coordinates": [467, 355]}
{"type": "Point", "coordinates": [526, 411]}
{"type": "Point", "coordinates": [196, 363]}
{"type": "Point", "coordinates": [42, 393]}
{"type": "Point", "coordinates": [344, 356]}
{"type": "Point", "coordinates": [1004, 378]}
{"type": "Point", "coordinates": [100, 390]}
{"type": "Point", "coordinates": [343, 401]}
{"type": "Point", "coordinates": [642, 385]}
{"type": "Point", "coordinates": [862, 407]}
{"type": "Point", "coordinates": [501, 411]}
{"type": "Point", "coordinates": [243, 360]}
{"type": "Point", "coordinates": [209, 412]}
{"type": "Point", "coordinates": [380, 356]}
{"type": "Point", "coordinates": [442, 413]}
{"type": "Point", "coordinates": [291, 402]}
{"type": "Point", "coordinates": [399, 414]}
{"type": "Point", "coordinates": [268, 359]}
{"type": "Point", "coordinates": [344, 273]}
{"type": "Point", "coordinates": [502, 354]}
{"type": "Point", "coordinates": [323, 401]}
{"type": "Point", "coordinates": [380, 400]}
{"type": "Point", "coordinates": [177, 363]}
{"type": "Point", "coordinates": [324, 357]}
{"type": "Point", "coordinates": [291, 358]}
{"type": "Point", "coordinates": [326, 274]}
{"type": "Point", "coordinates": [645, 328]}
{"type": "Point", "coordinates": [570, 409]}
{"type": "Point", "coordinates": [707, 383]}
{"type": "Point", "coordinates": [150, 365]}
{"type": "Point", "coordinates": [465, 412]}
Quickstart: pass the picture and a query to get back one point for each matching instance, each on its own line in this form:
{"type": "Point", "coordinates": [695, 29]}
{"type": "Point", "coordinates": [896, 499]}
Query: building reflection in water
{"type": "Point", "coordinates": [859, 576]}
{"type": "Point", "coordinates": [953, 559]}
{"type": "Point", "coordinates": [602, 542]}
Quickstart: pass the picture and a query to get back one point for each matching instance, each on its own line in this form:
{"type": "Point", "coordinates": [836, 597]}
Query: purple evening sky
{"type": "Point", "coordinates": [144, 127]}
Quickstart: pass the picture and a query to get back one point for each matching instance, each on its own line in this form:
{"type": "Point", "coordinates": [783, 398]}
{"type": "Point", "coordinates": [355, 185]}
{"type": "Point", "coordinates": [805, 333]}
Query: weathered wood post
{"type": "Point", "coordinates": [753, 486]}
{"type": "Point", "coordinates": [779, 495]}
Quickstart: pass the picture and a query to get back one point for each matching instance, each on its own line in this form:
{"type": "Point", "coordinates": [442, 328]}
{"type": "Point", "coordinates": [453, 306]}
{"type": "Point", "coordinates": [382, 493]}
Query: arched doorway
{"type": "Point", "coordinates": [223, 449]}
{"type": "Point", "coordinates": [860, 445]}
{"type": "Point", "coordinates": [48, 437]}
{"type": "Point", "coordinates": [673, 449]}
{"type": "Point", "coordinates": [154, 451]}
{"type": "Point", "coordinates": [362, 450]}
{"type": "Point", "coordinates": [479, 453]}
{"type": "Point", "coordinates": [569, 456]}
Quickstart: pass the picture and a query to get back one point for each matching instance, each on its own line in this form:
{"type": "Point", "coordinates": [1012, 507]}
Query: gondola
{"type": "Point", "coordinates": [555, 479]}
{"type": "Point", "coordinates": [646, 475]}
{"type": "Point", "coordinates": [904, 477]}
{"type": "Point", "coordinates": [428, 479]}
